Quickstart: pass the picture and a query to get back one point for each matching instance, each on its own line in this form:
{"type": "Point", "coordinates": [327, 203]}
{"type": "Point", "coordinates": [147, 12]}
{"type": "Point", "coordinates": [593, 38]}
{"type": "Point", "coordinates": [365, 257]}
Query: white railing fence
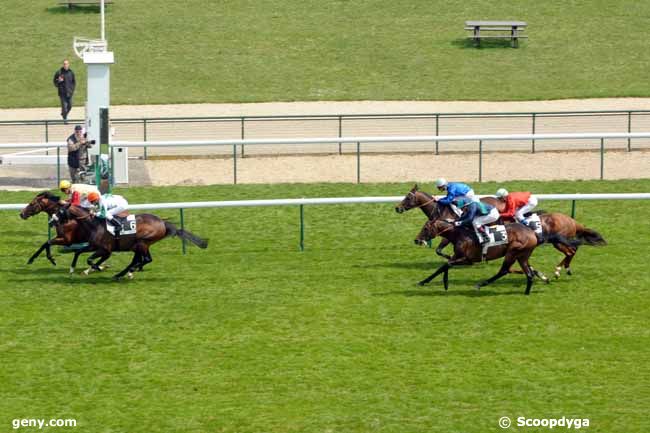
{"type": "Point", "coordinates": [301, 202]}
{"type": "Point", "coordinates": [601, 136]}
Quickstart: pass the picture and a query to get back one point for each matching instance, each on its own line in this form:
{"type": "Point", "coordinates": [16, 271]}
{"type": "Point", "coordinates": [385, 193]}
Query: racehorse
{"type": "Point", "coordinates": [149, 230]}
{"type": "Point", "coordinates": [66, 234]}
{"type": "Point", "coordinates": [521, 243]}
{"type": "Point", "coordinates": [552, 223]}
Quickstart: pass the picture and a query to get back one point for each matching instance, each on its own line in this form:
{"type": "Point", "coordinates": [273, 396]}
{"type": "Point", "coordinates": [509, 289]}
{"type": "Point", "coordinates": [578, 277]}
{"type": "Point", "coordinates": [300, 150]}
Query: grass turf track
{"type": "Point", "coordinates": [252, 335]}
{"type": "Point", "coordinates": [199, 51]}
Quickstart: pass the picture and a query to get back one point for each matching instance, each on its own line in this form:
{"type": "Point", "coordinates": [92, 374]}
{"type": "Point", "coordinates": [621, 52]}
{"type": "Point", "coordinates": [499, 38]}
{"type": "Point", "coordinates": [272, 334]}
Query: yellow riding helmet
{"type": "Point", "coordinates": [64, 184]}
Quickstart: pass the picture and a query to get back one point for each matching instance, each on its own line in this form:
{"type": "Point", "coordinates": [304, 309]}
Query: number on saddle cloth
{"type": "Point", "coordinates": [497, 235]}
{"type": "Point", "coordinates": [534, 222]}
{"type": "Point", "coordinates": [128, 226]}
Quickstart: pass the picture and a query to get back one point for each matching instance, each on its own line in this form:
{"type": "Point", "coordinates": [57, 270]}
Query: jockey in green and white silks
{"type": "Point", "coordinates": [108, 206]}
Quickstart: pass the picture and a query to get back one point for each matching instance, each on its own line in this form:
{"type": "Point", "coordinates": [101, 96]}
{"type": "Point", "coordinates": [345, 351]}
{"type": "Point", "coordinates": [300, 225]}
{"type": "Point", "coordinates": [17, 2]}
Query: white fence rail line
{"type": "Point", "coordinates": [301, 202]}
{"type": "Point", "coordinates": [340, 200]}
{"type": "Point", "coordinates": [601, 136]}
{"type": "Point", "coordinates": [360, 139]}
{"type": "Point", "coordinates": [385, 139]}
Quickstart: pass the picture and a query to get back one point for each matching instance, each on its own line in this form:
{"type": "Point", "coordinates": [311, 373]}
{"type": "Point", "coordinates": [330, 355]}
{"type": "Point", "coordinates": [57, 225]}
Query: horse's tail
{"type": "Point", "coordinates": [555, 238]}
{"type": "Point", "coordinates": [172, 230]}
{"type": "Point", "coordinates": [589, 236]}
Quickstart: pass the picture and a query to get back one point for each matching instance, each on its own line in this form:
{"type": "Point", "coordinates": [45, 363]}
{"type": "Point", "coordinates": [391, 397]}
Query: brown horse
{"type": "Point", "coordinates": [149, 230]}
{"type": "Point", "coordinates": [521, 243]}
{"type": "Point", "coordinates": [66, 234]}
{"type": "Point", "coordinates": [552, 223]}
{"type": "Point", "coordinates": [432, 209]}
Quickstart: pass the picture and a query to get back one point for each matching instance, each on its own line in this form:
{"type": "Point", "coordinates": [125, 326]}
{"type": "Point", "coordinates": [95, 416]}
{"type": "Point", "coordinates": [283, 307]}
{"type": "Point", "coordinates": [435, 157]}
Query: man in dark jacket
{"type": "Point", "coordinates": [65, 82]}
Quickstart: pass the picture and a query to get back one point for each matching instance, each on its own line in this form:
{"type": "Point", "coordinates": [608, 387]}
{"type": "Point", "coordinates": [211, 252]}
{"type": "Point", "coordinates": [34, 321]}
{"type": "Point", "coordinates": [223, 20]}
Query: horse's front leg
{"type": "Point", "coordinates": [441, 269]}
{"type": "Point", "coordinates": [38, 252]}
{"type": "Point", "coordinates": [443, 243]}
{"type": "Point", "coordinates": [48, 252]}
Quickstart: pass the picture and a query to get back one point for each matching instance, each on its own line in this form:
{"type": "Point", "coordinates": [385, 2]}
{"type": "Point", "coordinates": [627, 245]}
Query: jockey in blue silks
{"type": "Point", "coordinates": [454, 190]}
{"type": "Point", "coordinates": [478, 214]}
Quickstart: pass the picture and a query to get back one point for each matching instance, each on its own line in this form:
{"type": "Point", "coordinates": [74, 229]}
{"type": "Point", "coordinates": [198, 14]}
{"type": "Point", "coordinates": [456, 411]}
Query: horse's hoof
{"type": "Point", "coordinates": [129, 275]}
{"type": "Point", "coordinates": [29, 262]}
{"type": "Point", "coordinates": [53, 262]}
{"type": "Point", "coordinates": [478, 286]}
{"type": "Point", "coordinates": [568, 272]}
{"type": "Point", "coordinates": [71, 270]}
{"type": "Point", "coordinates": [421, 283]}
{"type": "Point", "coordinates": [116, 278]}
{"type": "Point", "coordinates": [86, 272]}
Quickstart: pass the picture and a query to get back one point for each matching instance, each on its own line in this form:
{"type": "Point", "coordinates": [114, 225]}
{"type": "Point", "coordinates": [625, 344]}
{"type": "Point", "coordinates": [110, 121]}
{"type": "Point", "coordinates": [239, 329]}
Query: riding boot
{"type": "Point", "coordinates": [117, 226]}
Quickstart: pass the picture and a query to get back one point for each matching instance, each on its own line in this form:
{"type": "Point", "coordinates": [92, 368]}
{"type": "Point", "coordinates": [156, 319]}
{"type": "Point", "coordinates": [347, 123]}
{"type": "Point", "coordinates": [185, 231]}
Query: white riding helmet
{"type": "Point", "coordinates": [502, 192]}
{"type": "Point", "coordinates": [440, 182]}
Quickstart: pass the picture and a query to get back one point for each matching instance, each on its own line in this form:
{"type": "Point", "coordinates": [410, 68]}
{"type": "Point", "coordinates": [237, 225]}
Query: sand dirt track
{"type": "Point", "coordinates": [374, 167]}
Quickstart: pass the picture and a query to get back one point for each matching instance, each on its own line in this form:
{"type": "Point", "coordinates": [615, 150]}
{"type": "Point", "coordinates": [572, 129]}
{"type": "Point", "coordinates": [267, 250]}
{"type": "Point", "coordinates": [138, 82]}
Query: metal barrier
{"type": "Point", "coordinates": [601, 136]}
{"type": "Point", "coordinates": [398, 139]}
{"type": "Point", "coordinates": [301, 202]}
{"type": "Point", "coordinates": [340, 125]}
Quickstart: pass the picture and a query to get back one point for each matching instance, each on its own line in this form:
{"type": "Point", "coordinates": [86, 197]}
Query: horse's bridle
{"type": "Point", "coordinates": [433, 199]}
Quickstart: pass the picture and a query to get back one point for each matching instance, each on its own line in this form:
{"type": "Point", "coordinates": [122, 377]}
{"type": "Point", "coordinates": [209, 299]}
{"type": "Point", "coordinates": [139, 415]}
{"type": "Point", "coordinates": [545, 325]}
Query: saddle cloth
{"type": "Point", "coordinates": [535, 223]}
{"type": "Point", "coordinates": [127, 223]}
{"type": "Point", "coordinates": [497, 235]}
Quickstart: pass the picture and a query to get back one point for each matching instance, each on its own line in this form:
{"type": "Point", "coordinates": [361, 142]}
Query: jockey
{"type": "Point", "coordinates": [109, 206]}
{"type": "Point", "coordinates": [454, 190]}
{"type": "Point", "coordinates": [77, 193]}
{"type": "Point", "coordinates": [517, 204]}
{"type": "Point", "coordinates": [478, 214]}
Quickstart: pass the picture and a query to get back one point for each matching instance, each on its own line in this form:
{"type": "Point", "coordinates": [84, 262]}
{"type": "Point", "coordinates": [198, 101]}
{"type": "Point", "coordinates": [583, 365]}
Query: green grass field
{"type": "Point", "coordinates": [251, 51]}
{"type": "Point", "coordinates": [252, 335]}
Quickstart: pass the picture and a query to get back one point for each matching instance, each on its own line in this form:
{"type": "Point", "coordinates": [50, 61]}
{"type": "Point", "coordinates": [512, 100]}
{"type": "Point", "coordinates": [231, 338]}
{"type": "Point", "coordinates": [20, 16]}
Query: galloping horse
{"type": "Point", "coordinates": [66, 234]}
{"type": "Point", "coordinates": [521, 243]}
{"type": "Point", "coordinates": [552, 223]}
{"type": "Point", "coordinates": [149, 230]}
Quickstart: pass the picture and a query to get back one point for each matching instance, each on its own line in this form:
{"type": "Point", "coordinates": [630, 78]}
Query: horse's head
{"type": "Point", "coordinates": [409, 201]}
{"type": "Point", "coordinates": [43, 202]}
{"type": "Point", "coordinates": [414, 199]}
{"type": "Point", "coordinates": [431, 229]}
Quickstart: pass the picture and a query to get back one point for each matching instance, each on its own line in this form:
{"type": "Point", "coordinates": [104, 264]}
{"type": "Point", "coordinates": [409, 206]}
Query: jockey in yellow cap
{"type": "Point", "coordinates": [77, 193]}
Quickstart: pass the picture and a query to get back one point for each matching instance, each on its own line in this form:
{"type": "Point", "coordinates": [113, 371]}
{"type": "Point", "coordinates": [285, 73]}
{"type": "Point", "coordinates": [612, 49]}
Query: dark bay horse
{"type": "Point", "coordinates": [552, 223]}
{"type": "Point", "coordinates": [521, 243]}
{"type": "Point", "coordinates": [149, 230]}
{"type": "Point", "coordinates": [66, 234]}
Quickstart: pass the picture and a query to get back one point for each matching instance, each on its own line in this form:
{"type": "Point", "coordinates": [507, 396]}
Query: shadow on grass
{"type": "Point", "coordinates": [23, 233]}
{"type": "Point", "coordinates": [60, 274]}
{"type": "Point", "coordinates": [485, 43]}
{"type": "Point", "coordinates": [76, 10]}
{"type": "Point", "coordinates": [471, 293]}
{"type": "Point", "coordinates": [430, 266]}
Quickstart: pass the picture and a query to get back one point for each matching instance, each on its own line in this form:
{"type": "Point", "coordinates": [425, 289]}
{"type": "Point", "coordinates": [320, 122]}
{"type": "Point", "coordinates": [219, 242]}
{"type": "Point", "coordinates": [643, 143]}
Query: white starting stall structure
{"type": "Point", "coordinates": [97, 58]}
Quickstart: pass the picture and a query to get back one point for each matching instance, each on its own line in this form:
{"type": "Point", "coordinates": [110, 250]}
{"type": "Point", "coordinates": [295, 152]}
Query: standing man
{"type": "Point", "coordinates": [65, 82]}
{"type": "Point", "coordinates": [77, 153]}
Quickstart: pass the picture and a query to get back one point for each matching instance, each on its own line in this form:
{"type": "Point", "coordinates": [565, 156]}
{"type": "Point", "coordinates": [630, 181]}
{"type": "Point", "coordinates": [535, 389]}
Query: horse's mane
{"type": "Point", "coordinates": [48, 195]}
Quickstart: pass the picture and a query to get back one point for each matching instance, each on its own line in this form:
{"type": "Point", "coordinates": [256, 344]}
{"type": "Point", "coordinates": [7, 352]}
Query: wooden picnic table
{"type": "Point", "coordinates": [514, 29]}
